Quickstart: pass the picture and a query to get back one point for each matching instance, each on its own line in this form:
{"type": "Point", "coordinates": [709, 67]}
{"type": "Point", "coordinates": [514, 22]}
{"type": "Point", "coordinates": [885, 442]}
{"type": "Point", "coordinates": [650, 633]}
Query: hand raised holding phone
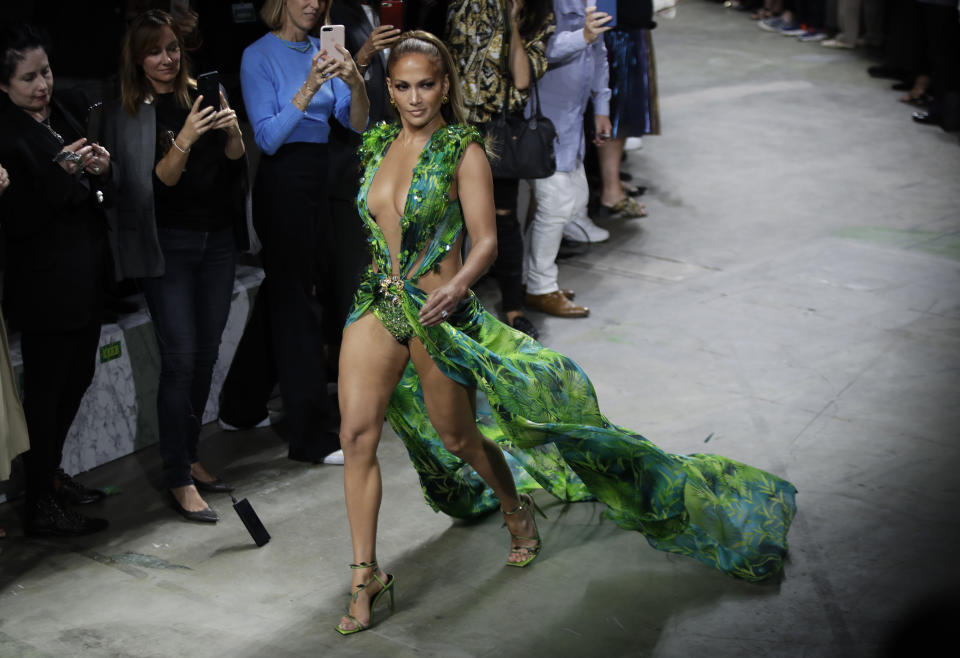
{"type": "Point", "coordinates": [595, 24]}
{"type": "Point", "coordinates": [381, 38]}
{"type": "Point", "coordinates": [198, 121]}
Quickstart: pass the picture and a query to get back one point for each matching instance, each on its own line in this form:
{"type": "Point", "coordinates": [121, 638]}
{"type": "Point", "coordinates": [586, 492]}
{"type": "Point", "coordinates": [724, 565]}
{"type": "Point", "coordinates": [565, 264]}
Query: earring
{"type": "Point", "coordinates": [444, 100]}
{"type": "Point", "coordinates": [393, 102]}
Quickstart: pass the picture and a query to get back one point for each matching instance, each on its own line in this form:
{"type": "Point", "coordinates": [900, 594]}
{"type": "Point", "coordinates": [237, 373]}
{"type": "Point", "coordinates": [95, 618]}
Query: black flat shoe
{"type": "Point", "coordinates": [522, 323]}
{"type": "Point", "coordinates": [72, 492]}
{"type": "Point", "coordinates": [203, 516]}
{"type": "Point", "coordinates": [214, 486]}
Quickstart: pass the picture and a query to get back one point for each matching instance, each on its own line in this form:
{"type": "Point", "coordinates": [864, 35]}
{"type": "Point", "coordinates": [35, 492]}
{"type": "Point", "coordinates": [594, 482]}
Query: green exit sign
{"type": "Point", "coordinates": [110, 351]}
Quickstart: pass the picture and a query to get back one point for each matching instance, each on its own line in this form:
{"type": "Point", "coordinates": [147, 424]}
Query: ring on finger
{"type": "Point", "coordinates": [443, 314]}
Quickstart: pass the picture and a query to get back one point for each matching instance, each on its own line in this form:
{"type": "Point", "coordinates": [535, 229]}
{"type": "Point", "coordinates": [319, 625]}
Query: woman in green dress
{"type": "Point", "coordinates": [419, 346]}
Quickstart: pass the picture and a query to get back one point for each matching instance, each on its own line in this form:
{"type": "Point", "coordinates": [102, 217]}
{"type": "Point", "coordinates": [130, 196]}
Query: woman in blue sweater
{"type": "Point", "coordinates": [292, 89]}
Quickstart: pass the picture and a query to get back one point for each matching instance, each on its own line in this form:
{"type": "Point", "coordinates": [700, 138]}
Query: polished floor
{"type": "Point", "coordinates": [793, 301]}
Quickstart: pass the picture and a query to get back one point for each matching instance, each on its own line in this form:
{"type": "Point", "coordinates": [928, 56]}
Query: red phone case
{"type": "Point", "coordinates": [391, 13]}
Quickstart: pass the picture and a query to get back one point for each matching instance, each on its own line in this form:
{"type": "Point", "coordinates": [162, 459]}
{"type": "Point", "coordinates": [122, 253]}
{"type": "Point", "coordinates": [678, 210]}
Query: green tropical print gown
{"type": "Point", "coordinates": [541, 408]}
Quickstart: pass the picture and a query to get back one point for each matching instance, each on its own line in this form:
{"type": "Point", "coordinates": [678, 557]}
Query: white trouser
{"type": "Point", "coordinates": [560, 198]}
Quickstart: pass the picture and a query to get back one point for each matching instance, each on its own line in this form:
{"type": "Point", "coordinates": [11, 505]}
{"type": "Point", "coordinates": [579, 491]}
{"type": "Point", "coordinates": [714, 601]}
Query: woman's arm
{"type": "Point", "coordinates": [519, 61]}
{"type": "Point", "coordinates": [226, 120]}
{"type": "Point", "coordinates": [273, 119]}
{"type": "Point", "coordinates": [475, 187]}
{"type": "Point", "coordinates": [359, 108]}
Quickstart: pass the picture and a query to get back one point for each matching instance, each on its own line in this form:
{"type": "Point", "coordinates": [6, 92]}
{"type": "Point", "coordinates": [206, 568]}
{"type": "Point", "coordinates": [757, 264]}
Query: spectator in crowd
{"type": "Point", "coordinates": [346, 250]}
{"type": "Point", "coordinates": [497, 46]}
{"type": "Point", "coordinates": [634, 110]}
{"type": "Point", "coordinates": [921, 46]}
{"type": "Point", "coordinates": [57, 262]}
{"type": "Point", "coordinates": [291, 90]}
{"type": "Point", "coordinates": [181, 193]}
{"type": "Point", "coordinates": [13, 426]}
{"type": "Point", "coordinates": [578, 73]}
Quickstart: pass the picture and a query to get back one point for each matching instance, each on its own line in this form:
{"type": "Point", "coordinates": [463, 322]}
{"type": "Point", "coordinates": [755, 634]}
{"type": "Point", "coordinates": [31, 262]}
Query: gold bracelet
{"type": "Point", "coordinates": [177, 146]}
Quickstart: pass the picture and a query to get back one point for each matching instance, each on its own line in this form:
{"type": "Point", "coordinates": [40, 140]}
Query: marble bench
{"type": "Point", "coordinates": [118, 414]}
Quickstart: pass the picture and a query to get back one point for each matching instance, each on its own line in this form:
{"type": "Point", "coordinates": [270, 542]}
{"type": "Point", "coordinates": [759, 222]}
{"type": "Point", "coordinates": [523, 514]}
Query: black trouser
{"type": "Point", "coordinates": [284, 338]}
{"type": "Point", "coordinates": [508, 268]}
{"type": "Point", "coordinates": [57, 369]}
{"type": "Point", "coordinates": [189, 306]}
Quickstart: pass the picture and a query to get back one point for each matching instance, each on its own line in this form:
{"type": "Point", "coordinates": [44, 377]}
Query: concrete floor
{"type": "Point", "coordinates": [793, 296]}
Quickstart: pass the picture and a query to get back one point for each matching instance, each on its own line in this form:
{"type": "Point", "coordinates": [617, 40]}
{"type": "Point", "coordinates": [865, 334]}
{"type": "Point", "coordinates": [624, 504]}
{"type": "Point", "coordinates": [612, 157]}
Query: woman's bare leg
{"type": "Point", "coordinates": [452, 411]}
{"type": "Point", "coordinates": [610, 154]}
{"type": "Point", "coordinates": [371, 364]}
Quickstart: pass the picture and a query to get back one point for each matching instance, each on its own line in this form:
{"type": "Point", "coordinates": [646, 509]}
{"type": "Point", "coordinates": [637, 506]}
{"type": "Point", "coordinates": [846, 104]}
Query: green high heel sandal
{"type": "Point", "coordinates": [384, 588]}
{"type": "Point", "coordinates": [530, 552]}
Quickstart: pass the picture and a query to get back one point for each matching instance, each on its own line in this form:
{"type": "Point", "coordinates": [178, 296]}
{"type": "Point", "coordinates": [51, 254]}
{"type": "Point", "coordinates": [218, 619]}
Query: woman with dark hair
{"type": "Point", "coordinates": [418, 346]}
{"type": "Point", "coordinates": [57, 263]}
{"type": "Point", "coordinates": [497, 46]}
{"type": "Point", "coordinates": [292, 91]}
{"type": "Point", "coordinates": [182, 170]}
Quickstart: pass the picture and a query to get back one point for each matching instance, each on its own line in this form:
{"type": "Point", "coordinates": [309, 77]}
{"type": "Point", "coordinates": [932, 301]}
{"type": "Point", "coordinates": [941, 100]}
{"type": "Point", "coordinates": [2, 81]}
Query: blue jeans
{"type": "Point", "coordinates": [189, 306]}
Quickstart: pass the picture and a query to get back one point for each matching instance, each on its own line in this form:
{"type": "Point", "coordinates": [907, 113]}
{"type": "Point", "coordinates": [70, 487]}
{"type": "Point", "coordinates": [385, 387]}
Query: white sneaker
{"type": "Point", "coordinates": [335, 458]}
{"type": "Point", "coordinates": [582, 229]}
{"type": "Point", "coordinates": [836, 43]}
{"type": "Point", "coordinates": [633, 144]}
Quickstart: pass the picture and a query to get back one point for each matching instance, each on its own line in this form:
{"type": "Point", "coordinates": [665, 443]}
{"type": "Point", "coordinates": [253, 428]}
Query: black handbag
{"type": "Point", "coordinates": [523, 146]}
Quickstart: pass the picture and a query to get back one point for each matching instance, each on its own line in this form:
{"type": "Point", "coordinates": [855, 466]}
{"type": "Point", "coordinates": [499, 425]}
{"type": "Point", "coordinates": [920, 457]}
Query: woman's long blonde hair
{"type": "Point", "coordinates": [141, 36]}
{"type": "Point", "coordinates": [424, 43]}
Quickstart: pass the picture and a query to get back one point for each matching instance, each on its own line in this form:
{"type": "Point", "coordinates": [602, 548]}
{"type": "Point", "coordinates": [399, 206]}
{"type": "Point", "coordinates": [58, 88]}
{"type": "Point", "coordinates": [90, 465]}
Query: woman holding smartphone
{"type": "Point", "coordinates": [181, 195]}
{"type": "Point", "coordinates": [292, 88]}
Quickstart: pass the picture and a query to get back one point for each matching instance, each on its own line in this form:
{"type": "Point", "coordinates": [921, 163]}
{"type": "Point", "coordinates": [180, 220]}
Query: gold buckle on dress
{"type": "Point", "coordinates": [391, 287]}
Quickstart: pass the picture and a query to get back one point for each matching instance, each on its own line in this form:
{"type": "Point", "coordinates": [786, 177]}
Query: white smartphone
{"type": "Point", "coordinates": [329, 36]}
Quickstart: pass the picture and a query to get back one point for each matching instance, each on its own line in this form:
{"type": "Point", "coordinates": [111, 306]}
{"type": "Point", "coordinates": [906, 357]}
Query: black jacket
{"type": "Point", "coordinates": [57, 259]}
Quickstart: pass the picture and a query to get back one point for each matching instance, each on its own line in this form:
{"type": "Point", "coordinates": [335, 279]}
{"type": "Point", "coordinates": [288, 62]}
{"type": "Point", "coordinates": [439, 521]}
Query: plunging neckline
{"type": "Point", "coordinates": [407, 201]}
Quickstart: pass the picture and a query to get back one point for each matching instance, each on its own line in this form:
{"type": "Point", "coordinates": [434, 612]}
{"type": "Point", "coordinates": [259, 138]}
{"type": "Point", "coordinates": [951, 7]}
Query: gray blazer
{"type": "Point", "coordinates": [132, 142]}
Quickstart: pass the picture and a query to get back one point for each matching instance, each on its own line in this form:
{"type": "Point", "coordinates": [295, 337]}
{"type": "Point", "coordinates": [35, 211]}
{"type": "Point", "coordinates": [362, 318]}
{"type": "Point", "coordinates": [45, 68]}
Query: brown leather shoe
{"type": "Point", "coordinates": [556, 303]}
{"type": "Point", "coordinates": [569, 294]}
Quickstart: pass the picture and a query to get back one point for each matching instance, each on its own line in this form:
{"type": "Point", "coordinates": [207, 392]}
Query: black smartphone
{"type": "Point", "coordinates": [94, 122]}
{"type": "Point", "coordinates": [208, 86]}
